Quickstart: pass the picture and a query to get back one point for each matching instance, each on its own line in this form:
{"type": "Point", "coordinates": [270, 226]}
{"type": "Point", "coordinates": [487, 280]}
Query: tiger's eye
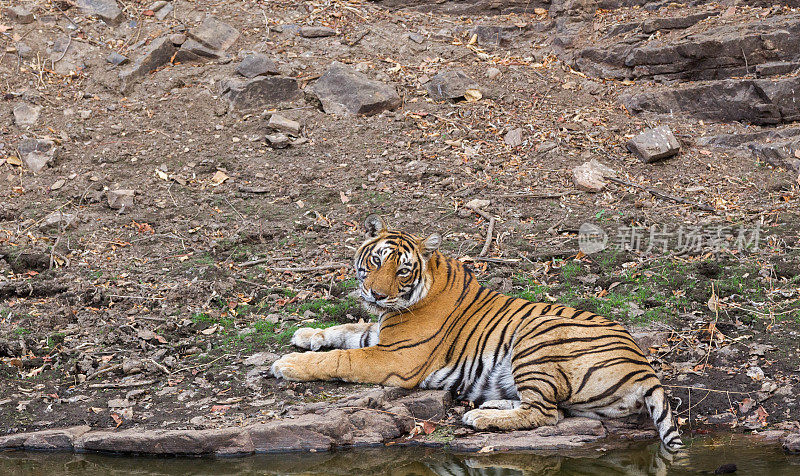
{"type": "Point", "coordinates": [375, 260]}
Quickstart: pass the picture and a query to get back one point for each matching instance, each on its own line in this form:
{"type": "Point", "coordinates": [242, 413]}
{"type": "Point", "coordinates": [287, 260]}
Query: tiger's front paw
{"type": "Point", "coordinates": [291, 367]}
{"type": "Point", "coordinates": [309, 338]}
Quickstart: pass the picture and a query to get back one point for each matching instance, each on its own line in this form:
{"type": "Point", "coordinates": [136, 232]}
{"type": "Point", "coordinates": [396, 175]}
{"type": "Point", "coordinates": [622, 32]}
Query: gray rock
{"type": "Point", "coordinates": [654, 144]}
{"type": "Point", "coordinates": [726, 418]}
{"type": "Point", "coordinates": [20, 14]}
{"type": "Point", "coordinates": [106, 10]}
{"type": "Point", "coordinates": [590, 176]}
{"type": "Point", "coordinates": [342, 90]}
{"type": "Point", "coordinates": [757, 101]}
{"type": "Point", "coordinates": [214, 34]}
{"type": "Point", "coordinates": [316, 31]}
{"type": "Point", "coordinates": [47, 440]}
{"type": "Point", "coordinates": [36, 154]}
{"type": "Point", "coordinates": [23, 50]}
{"type": "Point", "coordinates": [450, 85]}
{"type": "Point", "coordinates": [278, 140]}
{"type": "Point", "coordinates": [59, 220]}
{"type": "Point", "coordinates": [780, 154]}
{"type": "Point", "coordinates": [194, 51]}
{"type": "Point", "coordinates": [284, 124]}
{"type": "Point", "coordinates": [513, 138]}
{"type": "Point", "coordinates": [675, 23]}
{"type": "Point", "coordinates": [116, 59]}
{"type": "Point", "coordinates": [791, 443]}
{"type": "Point", "coordinates": [164, 11]}
{"type": "Point", "coordinates": [257, 64]}
{"type": "Point", "coordinates": [416, 38]}
{"type": "Point", "coordinates": [177, 39]}
{"type": "Point", "coordinates": [120, 199]}
{"type": "Point", "coordinates": [724, 51]}
{"type": "Point", "coordinates": [261, 358]}
{"type": "Point", "coordinates": [568, 433]}
{"type": "Point", "coordinates": [647, 339]}
{"type": "Point", "coordinates": [26, 114]}
{"type": "Point", "coordinates": [427, 404]}
{"type": "Point", "coordinates": [157, 54]}
{"type": "Point", "coordinates": [260, 92]}
{"type": "Point", "coordinates": [493, 72]}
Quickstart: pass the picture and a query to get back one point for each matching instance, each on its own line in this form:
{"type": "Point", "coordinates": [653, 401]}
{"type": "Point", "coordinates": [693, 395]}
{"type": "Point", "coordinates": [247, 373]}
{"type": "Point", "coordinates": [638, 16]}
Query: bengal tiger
{"type": "Point", "coordinates": [524, 363]}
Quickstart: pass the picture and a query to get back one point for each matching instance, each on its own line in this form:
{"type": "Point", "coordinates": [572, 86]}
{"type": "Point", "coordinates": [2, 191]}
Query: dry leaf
{"type": "Point", "coordinates": [219, 177]}
{"type": "Point", "coordinates": [220, 408]}
{"type": "Point", "coordinates": [210, 330]}
{"type": "Point", "coordinates": [117, 419]}
{"type": "Point", "coordinates": [472, 95]}
{"type": "Point", "coordinates": [713, 303]}
{"type": "Point", "coordinates": [13, 160]}
{"type": "Point", "coordinates": [162, 175]}
{"type": "Point", "coordinates": [428, 427]}
{"type": "Point", "coordinates": [540, 11]}
{"type": "Point", "coordinates": [486, 449]}
{"type": "Point", "coordinates": [797, 153]}
{"type": "Point", "coordinates": [473, 40]}
{"type": "Point", "coordinates": [343, 197]}
{"type": "Point", "coordinates": [4, 28]}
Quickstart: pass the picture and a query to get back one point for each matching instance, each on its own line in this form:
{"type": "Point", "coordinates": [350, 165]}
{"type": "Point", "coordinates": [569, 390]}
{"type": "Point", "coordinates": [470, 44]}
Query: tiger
{"type": "Point", "coordinates": [523, 364]}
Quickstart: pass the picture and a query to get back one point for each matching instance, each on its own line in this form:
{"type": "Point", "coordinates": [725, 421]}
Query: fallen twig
{"type": "Point", "coordinates": [312, 268]}
{"type": "Point", "coordinates": [140, 383]}
{"type": "Point", "coordinates": [104, 371]}
{"type": "Point", "coordinates": [488, 241]}
{"type": "Point", "coordinates": [537, 196]}
{"type": "Point", "coordinates": [660, 194]}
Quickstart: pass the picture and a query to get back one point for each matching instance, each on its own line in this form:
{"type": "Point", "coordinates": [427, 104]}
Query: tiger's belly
{"type": "Point", "coordinates": [476, 380]}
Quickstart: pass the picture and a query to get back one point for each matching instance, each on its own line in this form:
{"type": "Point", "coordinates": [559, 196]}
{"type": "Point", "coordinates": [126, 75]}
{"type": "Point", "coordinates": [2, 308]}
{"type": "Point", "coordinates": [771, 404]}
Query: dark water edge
{"type": "Point", "coordinates": [702, 455]}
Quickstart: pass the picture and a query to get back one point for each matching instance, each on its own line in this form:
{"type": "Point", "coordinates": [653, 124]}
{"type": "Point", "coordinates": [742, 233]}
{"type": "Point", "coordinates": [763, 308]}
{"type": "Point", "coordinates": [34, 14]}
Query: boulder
{"type": "Point", "coordinates": [106, 10]}
{"type": "Point", "coordinates": [46, 440]}
{"type": "Point", "coordinates": [654, 144]}
{"type": "Point", "coordinates": [785, 154]}
{"type": "Point", "coordinates": [342, 90]}
{"type": "Point", "coordinates": [450, 85]}
{"type": "Point", "coordinates": [427, 404]}
{"type": "Point", "coordinates": [260, 91]}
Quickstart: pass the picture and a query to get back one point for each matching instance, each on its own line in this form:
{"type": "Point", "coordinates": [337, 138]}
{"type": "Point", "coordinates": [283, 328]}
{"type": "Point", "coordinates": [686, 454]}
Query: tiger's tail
{"type": "Point", "coordinates": [660, 411]}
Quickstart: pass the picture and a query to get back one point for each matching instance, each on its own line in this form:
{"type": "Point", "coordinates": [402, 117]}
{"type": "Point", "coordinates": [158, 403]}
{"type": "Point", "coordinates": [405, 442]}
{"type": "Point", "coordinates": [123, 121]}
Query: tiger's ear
{"type": "Point", "coordinates": [374, 225]}
{"type": "Point", "coordinates": [431, 244]}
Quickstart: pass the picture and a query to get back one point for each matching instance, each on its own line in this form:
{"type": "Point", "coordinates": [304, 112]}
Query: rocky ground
{"type": "Point", "coordinates": [184, 184]}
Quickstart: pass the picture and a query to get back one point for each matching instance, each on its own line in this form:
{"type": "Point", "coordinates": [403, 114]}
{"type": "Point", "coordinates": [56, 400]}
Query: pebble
{"type": "Point", "coordinates": [116, 59]}
{"type": "Point", "coordinates": [257, 64]}
{"type": "Point", "coordinates": [19, 14]}
{"type": "Point", "coordinates": [493, 72]}
{"type": "Point", "coordinates": [120, 199]}
{"type": "Point", "coordinates": [58, 184]}
{"type": "Point", "coordinates": [278, 140]}
{"type": "Point", "coordinates": [416, 38]}
{"type": "Point", "coordinates": [513, 138]}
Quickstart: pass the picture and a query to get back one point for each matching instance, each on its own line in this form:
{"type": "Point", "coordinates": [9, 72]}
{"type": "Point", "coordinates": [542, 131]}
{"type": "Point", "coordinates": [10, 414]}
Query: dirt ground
{"type": "Point", "coordinates": [146, 316]}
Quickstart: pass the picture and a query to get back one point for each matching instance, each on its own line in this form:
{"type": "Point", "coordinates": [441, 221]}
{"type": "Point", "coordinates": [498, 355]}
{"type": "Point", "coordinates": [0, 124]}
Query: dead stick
{"type": "Point", "coordinates": [482, 213]}
{"type": "Point", "coordinates": [537, 196]}
{"type": "Point", "coordinates": [488, 241]}
{"type": "Point", "coordinates": [660, 194]}
{"type": "Point", "coordinates": [123, 384]}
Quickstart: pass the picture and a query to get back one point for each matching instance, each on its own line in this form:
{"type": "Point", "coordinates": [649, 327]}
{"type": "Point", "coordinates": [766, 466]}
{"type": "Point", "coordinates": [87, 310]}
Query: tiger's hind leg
{"type": "Point", "coordinates": [537, 406]}
{"type": "Point", "coordinates": [345, 336]}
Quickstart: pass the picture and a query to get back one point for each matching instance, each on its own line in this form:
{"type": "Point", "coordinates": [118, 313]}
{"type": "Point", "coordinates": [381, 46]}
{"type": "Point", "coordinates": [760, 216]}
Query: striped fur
{"type": "Point", "coordinates": [439, 328]}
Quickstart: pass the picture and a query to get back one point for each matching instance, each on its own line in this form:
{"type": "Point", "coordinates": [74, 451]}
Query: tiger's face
{"type": "Point", "coordinates": [392, 267]}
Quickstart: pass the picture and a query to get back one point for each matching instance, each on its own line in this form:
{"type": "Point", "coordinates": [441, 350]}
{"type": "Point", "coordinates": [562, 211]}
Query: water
{"type": "Point", "coordinates": [703, 455]}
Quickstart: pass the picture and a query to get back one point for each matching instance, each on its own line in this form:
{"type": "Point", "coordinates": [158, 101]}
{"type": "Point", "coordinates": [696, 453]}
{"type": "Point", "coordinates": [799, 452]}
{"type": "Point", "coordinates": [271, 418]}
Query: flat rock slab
{"type": "Point", "coordinates": [106, 10]}
{"type": "Point", "coordinates": [260, 91]}
{"type": "Point", "coordinates": [257, 64]}
{"type": "Point", "coordinates": [450, 85]}
{"type": "Point", "coordinates": [755, 101]}
{"type": "Point", "coordinates": [654, 144]}
{"type": "Point", "coordinates": [26, 114]}
{"type": "Point", "coordinates": [723, 51]}
{"type": "Point", "coordinates": [343, 90]}
{"type": "Point", "coordinates": [214, 34]}
{"type": "Point", "coordinates": [372, 418]}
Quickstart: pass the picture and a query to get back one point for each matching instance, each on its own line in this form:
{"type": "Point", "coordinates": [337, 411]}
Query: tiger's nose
{"type": "Point", "coordinates": [377, 296]}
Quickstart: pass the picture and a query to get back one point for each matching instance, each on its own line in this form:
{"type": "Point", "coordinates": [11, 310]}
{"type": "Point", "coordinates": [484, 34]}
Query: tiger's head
{"type": "Point", "coordinates": [392, 267]}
